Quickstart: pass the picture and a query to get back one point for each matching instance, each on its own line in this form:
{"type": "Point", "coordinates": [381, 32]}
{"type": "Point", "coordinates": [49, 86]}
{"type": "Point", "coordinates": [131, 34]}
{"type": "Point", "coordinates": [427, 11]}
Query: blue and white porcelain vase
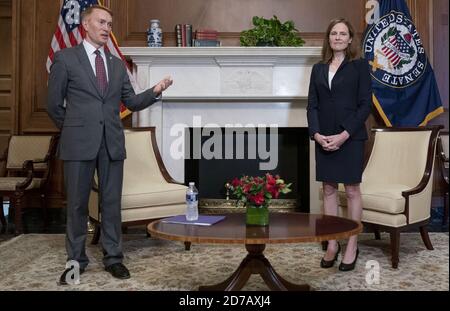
{"type": "Point", "coordinates": [154, 34]}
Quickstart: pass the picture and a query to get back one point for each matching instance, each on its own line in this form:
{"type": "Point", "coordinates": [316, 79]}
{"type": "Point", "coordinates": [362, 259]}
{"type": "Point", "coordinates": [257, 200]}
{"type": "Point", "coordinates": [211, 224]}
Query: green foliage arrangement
{"type": "Point", "coordinates": [271, 32]}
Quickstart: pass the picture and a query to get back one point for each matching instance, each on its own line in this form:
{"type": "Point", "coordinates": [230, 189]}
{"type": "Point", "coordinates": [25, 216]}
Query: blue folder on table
{"type": "Point", "coordinates": [202, 220]}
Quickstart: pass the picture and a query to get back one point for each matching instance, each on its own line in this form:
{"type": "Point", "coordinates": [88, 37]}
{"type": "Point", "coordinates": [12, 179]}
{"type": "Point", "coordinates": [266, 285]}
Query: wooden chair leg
{"type": "Point", "coordinates": [2, 217]}
{"type": "Point", "coordinates": [445, 219]}
{"type": "Point", "coordinates": [324, 245]}
{"type": "Point", "coordinates": [44, 212]}
{"type": "Point", "coordinates": [395, 247]}
{"type": "Point", "coordinates": [96, 235]}
{"type": "Point", "coordinates": [16, 201]}
{"type": "Point", "coordinates": [376, 231]}
{"type": "Point", "coordinates": [426, 238]}
{"type": "Point", "coordinates": [187, 246]}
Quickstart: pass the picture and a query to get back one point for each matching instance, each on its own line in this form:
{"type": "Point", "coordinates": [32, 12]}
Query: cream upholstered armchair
{"type": "Point", "coordinates": [148, 191]}
{"type": "Point", "coordinates": [27, 170]}
{"type": "Point", "coordinates": [397, 183]}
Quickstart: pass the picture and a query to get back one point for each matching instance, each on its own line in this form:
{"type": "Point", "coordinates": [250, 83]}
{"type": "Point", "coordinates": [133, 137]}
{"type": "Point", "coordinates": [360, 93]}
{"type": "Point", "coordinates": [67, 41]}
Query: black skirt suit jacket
{"type": "Point", "coordinates": [345, 106]}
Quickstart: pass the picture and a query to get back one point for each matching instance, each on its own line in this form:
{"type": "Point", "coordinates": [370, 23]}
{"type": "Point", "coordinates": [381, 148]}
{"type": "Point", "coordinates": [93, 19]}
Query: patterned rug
{"type": "Point", "coordinates": [35, 262]}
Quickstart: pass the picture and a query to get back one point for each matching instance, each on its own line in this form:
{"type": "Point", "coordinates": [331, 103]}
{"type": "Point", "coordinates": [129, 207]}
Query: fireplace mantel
{"type": "Point", "coordinates": [225, 55]}
{"type": "Point", "coordinates": [226, 71]}
{"type": "Point", "coordinates": [225, 85]}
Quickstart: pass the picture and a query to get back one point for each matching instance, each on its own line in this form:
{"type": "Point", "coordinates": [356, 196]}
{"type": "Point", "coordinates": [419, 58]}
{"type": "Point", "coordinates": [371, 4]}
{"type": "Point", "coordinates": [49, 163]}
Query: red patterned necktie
{"type": "Point", "coordinates": [100, 72]}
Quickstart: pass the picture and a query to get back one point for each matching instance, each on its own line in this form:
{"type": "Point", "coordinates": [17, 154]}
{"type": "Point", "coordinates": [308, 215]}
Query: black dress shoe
{"type": "Point", "coordinates": [63, 277]}
{"type": "Point", "coordinates": [329, 263]}
{"type": "Point", "coordinates": [349, 266]}
{"type": "Point", "coordinates": [118, 270]}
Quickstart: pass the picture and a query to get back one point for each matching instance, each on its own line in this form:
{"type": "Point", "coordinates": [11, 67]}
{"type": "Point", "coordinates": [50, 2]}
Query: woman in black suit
{"type": "Point", "coordinates": [339, 102]}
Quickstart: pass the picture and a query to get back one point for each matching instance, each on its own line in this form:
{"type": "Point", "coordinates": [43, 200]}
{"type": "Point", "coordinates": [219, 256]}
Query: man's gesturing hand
{"type": "Point", "coordinates": [162, 85]}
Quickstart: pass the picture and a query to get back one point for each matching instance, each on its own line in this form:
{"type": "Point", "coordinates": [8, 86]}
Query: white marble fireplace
{"type": "Point", "coordinates": [223, 86]}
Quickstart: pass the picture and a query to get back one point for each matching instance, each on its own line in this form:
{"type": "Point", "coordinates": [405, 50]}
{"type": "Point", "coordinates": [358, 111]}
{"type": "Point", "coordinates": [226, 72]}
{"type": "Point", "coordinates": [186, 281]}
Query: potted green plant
{"type": "Point", "coordinates": [271, 32]}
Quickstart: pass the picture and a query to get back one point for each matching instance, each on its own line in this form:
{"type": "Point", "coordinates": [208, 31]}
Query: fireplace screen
{"type": "Point", "coordinates": [214, 156]}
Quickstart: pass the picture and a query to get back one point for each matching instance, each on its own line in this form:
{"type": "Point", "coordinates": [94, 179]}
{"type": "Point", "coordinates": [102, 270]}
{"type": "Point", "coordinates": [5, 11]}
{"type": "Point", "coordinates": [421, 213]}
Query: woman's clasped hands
{"type": "Point", "coordinates": [331, 142]}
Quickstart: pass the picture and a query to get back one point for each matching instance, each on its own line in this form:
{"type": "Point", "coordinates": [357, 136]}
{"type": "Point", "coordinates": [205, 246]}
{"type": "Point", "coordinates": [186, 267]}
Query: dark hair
{"type": "Point", "coordinates": [352, 52]}
{"type": "Point", "coordinates": [90, 9]}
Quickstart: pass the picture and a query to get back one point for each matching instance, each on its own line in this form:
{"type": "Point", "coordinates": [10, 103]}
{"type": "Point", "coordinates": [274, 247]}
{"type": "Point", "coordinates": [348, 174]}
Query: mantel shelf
{"type": "Point", "coordinates": [240, 98]}
{"type": "Point", "coordinates": [308, 51]}
{"type": "Point", "coordinates": [224, 56]}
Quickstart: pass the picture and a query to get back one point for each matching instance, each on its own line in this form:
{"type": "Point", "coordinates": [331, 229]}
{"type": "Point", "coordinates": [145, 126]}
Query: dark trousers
{"type": "Point", "coordinates": [78, 177]}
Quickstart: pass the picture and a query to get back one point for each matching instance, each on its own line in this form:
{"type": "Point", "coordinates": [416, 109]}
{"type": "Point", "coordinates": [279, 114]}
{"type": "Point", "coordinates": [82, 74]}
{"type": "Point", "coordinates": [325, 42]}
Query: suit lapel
{"type": "Point", "coordinates": [325, 69]}
{"type": "Point", "coordinates": [324, 75]}
{"type": "Point", "coordinates": [337, 77]}
{"type": "Point", "coordinates": [84, 60]}
{"type": "Point", "coordinates": [344, 62]}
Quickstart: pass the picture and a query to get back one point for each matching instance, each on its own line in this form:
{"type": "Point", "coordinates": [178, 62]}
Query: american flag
{"type": "Point", "coordinates": [69, 32]}
{"type": "Point", "coordinates": [397, 48]}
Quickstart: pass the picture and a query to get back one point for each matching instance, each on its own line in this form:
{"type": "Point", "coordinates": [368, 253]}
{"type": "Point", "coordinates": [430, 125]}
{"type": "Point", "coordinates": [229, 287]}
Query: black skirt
{"type": "Point", "coordinates": [344, 165]}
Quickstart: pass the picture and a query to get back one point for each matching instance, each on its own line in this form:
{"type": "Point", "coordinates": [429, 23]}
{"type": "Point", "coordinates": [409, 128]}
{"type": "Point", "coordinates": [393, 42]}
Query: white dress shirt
{"type": "Point", "coordinates": [330, 77]}
{"type": "Point", "coordinates": [90, 51]}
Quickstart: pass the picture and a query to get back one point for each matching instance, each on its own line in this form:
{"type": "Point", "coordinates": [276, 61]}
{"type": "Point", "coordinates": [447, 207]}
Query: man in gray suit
{"type": "Point", "coordinates": [93, 83]}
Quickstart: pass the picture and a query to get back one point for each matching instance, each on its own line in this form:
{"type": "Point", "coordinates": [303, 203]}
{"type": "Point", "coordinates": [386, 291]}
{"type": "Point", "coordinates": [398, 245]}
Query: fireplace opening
{"type": "Point", "coordinates": [214, 156]}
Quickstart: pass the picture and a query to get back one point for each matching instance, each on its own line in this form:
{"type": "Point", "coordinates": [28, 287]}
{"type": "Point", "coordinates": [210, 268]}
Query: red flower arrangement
{"type": "Point", "coordinates": [258, 191]}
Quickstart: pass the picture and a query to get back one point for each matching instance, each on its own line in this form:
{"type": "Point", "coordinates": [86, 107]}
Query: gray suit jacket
{"type": "Point", "coordinates": [87, 112]}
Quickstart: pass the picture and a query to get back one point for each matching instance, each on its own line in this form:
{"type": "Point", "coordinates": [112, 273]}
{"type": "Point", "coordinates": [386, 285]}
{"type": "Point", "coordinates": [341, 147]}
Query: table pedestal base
{"type": "Point", "coordinates": [255, 263]}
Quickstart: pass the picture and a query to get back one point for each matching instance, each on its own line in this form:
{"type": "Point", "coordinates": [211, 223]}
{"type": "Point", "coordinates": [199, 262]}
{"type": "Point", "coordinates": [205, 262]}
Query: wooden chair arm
{"type": "Point", "coordinates": [28, 165]}
{"type": "Point", "coordinates": [429, 164]}
{"type": "Point", "coordinates": [417, 189]}
{"type": "Point", "coordinates": [36, 161]}
{"type": "Point", "coordinates": [27, 168]}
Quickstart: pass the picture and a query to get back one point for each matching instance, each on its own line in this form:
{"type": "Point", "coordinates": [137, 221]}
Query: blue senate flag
{"type": "Point", "coordinates": [405, 92]}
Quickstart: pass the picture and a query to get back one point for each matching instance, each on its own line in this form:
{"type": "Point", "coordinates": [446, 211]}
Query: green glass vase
{"type": "Point", "coordinates": [257, 215]}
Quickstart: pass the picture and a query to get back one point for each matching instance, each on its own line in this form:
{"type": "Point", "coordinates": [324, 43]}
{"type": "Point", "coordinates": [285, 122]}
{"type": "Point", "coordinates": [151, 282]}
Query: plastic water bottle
{"type": "Point", "coordinates": [191, 202]}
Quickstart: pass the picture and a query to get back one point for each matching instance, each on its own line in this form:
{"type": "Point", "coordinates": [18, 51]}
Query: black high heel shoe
{"type": "Point", "coordinates": [329, 263]}
{"type": "Point", "coordinates": [349, 266]}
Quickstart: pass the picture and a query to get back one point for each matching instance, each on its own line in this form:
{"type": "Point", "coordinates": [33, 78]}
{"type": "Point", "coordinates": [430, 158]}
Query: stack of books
{"type": "Point", "coordinates": [206, 37]}
{"type": "Point", "coordinates": [183, 34]}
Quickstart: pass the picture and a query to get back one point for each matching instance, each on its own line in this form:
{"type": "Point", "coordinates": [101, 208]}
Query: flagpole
{"type": "Point", "coordinates": [380, 111]}
{"type": "Point", "coordinates": [126, 112]}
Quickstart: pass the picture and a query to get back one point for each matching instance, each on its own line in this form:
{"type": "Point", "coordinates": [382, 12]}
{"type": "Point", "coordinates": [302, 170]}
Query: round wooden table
{"type": "Point", "coordinates": [283, 228]}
